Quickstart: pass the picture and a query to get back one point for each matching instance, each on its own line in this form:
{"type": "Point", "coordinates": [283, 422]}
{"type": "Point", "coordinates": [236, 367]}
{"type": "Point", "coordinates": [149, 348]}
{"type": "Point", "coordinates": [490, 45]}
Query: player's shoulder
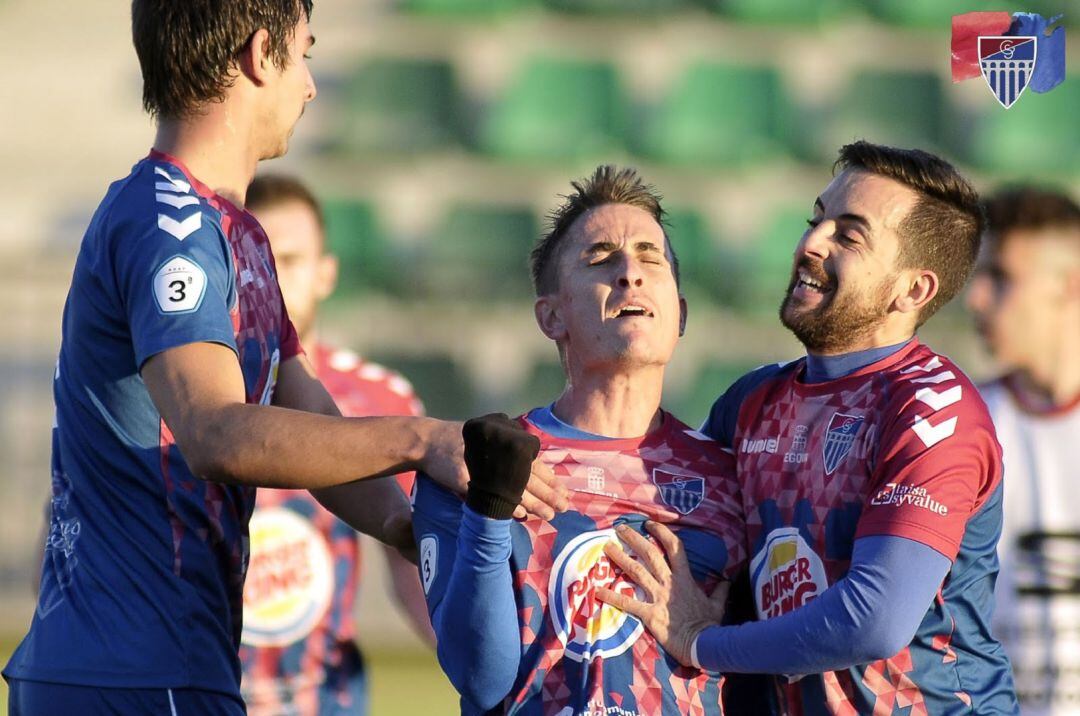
{"type": "Point", "coordinates": [723, 415]}
{"type": "Point", "coordinates": [157, 203]}
{"type": "Point", "coordinates": [385, 386]}
{"type": "Point", "coordinates": [928, 395]}
{"type": "Point", "coordinates": [681, 434]}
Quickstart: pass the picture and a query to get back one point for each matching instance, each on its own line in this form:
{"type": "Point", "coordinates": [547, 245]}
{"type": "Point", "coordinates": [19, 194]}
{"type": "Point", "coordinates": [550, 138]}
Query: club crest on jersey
{"type": "Point", "coordinates": [682, 493]}
{"type": "Point", "coordinates": [587, 627]}
{"type": "Point", "coordinates": [290, 579]}
{"type": "Point", "coordinates": [839, 437]}
{"type": "Point", "coordinates": [1007, 64]}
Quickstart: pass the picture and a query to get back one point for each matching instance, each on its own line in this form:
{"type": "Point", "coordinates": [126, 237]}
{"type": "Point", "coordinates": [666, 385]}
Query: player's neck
{"type": "Point", "coordinates": [618, 405]}
{"type": "Point", "coordinates": [1055, 386]}
{"type": "Point", "coordinates": [214, 149]}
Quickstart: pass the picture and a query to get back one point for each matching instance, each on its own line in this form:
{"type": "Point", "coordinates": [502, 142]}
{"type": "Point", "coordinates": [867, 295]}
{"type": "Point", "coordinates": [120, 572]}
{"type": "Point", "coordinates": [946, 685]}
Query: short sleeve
{"type": "Point", "coordinates": [174, 290]}
{"type": "Point", "coordinates": [938, 462]}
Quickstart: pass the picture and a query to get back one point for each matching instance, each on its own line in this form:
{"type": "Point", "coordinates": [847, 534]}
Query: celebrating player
{"type": "Point", "coordinates": [513, 604]}
{"type": "Point", "coordinates": [298, 650]}
{"type": "Point", "coordinates": [870, 474]}
{"type": "Point", "coordinates": [181, 384]}
{"type": "Point", "coordinates": [1026, 301]}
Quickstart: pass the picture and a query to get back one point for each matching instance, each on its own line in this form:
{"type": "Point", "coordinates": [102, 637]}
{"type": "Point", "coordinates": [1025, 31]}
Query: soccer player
{"type": "Point", "coordinates": [181, 385]}
{"type": "Point", "coordinates": [513, 603]}
{"type": "Point", "coordinates": [298, 652]}
{"type": "Point", "coordinates": [1026, 300]}
{"type": "Point", "coordinates": [870, 474]}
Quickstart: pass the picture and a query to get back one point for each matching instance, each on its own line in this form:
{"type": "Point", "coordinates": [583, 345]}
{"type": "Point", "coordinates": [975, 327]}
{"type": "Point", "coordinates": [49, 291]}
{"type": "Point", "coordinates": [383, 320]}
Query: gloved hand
{"type": "Point", "coordinates": [499, 455]}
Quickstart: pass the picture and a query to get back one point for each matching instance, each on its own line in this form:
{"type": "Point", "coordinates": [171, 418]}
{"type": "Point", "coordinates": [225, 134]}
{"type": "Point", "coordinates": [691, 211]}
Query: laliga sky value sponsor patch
{"type": "Point", "coordinates": [587, 627]}
{"type": "Point", "coordinates": [290, 579]}
{"type": "Point", "coordinates": [179, 285]}
{"type": "Point", "coordinates": [429, 560]}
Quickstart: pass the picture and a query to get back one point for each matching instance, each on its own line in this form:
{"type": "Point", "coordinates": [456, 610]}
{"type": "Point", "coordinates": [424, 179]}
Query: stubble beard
{"type": "Point", "coordinates": [839, 323]}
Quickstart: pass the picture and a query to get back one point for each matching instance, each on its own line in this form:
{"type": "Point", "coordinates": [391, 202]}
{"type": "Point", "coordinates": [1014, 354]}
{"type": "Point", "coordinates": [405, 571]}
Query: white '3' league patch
{"type": "Point", "coordinates": [429, 560]}
{"type": "Point", "coordinates": [179, 285]}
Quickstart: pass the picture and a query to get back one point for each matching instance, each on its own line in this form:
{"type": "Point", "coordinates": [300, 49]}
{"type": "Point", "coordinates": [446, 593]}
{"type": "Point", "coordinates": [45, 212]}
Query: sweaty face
{"type": "Point", "coordinates": [844, 275]}
{"type": "Point", "coordinates": [617, 303]}
{"type": "Point", "coordinates": [305, 273]}
{"type": "Point", "coordinates": [1017, 298]}
{"type": "Point", "coordinates": [293, 88]}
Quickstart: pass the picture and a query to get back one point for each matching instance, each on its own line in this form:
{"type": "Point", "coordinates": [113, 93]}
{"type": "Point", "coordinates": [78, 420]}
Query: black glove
{"type": "Point", "coordinates": [499, 455]}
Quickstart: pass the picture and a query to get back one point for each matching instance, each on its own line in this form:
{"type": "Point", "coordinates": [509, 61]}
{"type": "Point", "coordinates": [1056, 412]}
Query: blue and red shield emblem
{"type": "Point", "coordinates": [681, 492]}
{"type": "Point", "coordinates": [838, 439]}
{"type": "Point", "coordinates": [1007, 64]}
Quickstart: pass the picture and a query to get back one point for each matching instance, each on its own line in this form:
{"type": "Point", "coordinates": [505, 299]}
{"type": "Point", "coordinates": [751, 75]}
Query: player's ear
{"type": "Point", "coordinates": [917, 288]}
{"type": "Point", "coordinates": [326, 276]}
{"type": "Point", "coordinates": [254, 60]}
{"type": "Point", "coordinates": [549, 317]}
{"type": "Point", "coordinates": [682, 315]}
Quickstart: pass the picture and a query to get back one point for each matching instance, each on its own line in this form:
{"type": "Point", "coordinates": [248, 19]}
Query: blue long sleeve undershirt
{"type": "Point", "coordinates": [871, 613]}
{"type": "Point", "coordinates": [476, 624]}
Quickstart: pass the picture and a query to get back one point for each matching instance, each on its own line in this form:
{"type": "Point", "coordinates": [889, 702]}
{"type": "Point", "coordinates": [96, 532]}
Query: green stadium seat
{"type": "Point", "coordinates": [555, 109]}
{"type": "Point", "coordinates": [544, 384]}
{"type": "Point", "coordinates": [697, 251]}
{"type": "Point", "coordinates": [1037, 134]}
{"type": "Point", "coordinates": [400, 106]}
{"type": "Point", "coordinates": [781, 12]}
{"type": "Point", "coordinates": [366, 258]}
{"type": "Point", "coordinates": [480, 252]}
{"type": "Point", "coordinates": [898, 108]}
{"type": "Point", "coordinates": [615, 7]}
{"type": "Point", "coordinates": [936, 14]}
{"type": "Point", "coordinates": [692, 404]}
{"type": "Point", "coordinates": [470, 9]}
{"type": "Point", "coordinates": [441, 384]}
{"type": "Point", "coordinates": [769, 259]}
{"type": "Point", "coordinates": [718, 114]}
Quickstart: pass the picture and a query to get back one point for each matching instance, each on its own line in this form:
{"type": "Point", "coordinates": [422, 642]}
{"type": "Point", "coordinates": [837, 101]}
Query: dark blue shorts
{"type": "Point", "coordinates": [39, 698]}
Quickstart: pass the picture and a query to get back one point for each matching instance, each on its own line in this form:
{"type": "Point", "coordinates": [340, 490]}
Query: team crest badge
{"type": "Point", "coordinates": [839, 438]}
{"type": "Point", "coordinates": [1007, 64]}
{"type": "Point", "coordinates": [683, 493]}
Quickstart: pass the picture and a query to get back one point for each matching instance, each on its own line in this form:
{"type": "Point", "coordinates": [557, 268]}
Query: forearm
{"type": "Point", "coordinates": [366, 505]}
{"type": "Point", "coordinates": [269, 446]}
{"type": "Point", "coordinates": [409, 594]}
{"type": "Point", "coordinates": [479, 640]}
{"type": "Point", "coordinates": [870, 614]}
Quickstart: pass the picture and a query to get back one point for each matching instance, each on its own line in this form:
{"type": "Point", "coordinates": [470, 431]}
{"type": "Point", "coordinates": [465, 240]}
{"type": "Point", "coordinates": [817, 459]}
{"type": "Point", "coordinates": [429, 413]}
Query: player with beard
{"type": "Point", "coordinates": [870, 472]}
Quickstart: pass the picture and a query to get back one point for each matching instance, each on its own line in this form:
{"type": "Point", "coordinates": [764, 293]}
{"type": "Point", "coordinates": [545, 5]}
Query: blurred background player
{"type": "Point", "coordinates": [870, 474]}
{"type": "Point", "coordinates": [513, 603]}
{"type": "Point", "coordinates": [299, 653]}
{"type": "Point", "coordinates": [1026, 301]}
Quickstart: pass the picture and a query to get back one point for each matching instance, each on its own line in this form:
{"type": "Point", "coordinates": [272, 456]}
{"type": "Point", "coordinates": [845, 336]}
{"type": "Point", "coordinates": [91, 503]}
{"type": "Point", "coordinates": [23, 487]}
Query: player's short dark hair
{"type": "Point", "coordinates": [187, 48]}
{"type": "Point", "coordinates": [607, 185]}
{"type": "Point", "coordinates": [267, 191]}
{"type": "Point", "coordinates": [1029, 208]}
{"type": "Point", "coordinates": [943, 230]}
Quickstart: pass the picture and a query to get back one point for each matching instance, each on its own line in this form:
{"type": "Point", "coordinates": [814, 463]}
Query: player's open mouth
{"type": "Point", "coordinates": [632, 310]}
{"type": "Point", "coordinates": [808, 284]}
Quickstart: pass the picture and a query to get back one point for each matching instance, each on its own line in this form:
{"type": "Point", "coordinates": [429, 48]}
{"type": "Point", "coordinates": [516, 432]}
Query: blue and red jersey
{"type": "Point", "coordinates": [298, 650]}
{"type": "Point", "coordinates": [903, 447]}
{"type": "Point", "coordinates": [144, 565]}
{"type": "Point", "coordinates": [578, 655]}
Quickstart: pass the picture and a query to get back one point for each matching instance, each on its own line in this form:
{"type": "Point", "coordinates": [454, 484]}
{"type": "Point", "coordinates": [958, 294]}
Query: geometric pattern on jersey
{"type": "Point", "coordinates": [148, 593]}
{"type": "Point", "coordinates": [298, 649]}
{"type": "Point", "coordinates": [579, 655]}
{"type": "Point", "coordinates": [903, 447]}
{"type": "Point", "coordinates": [1038, 592]}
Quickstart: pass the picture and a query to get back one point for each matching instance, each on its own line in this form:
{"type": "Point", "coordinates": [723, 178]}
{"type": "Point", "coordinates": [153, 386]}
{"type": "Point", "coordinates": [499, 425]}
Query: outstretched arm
{"type": "Point", "coordinates": [870, 614]}
{"type": "Point", "coordinates": [464, 562]}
